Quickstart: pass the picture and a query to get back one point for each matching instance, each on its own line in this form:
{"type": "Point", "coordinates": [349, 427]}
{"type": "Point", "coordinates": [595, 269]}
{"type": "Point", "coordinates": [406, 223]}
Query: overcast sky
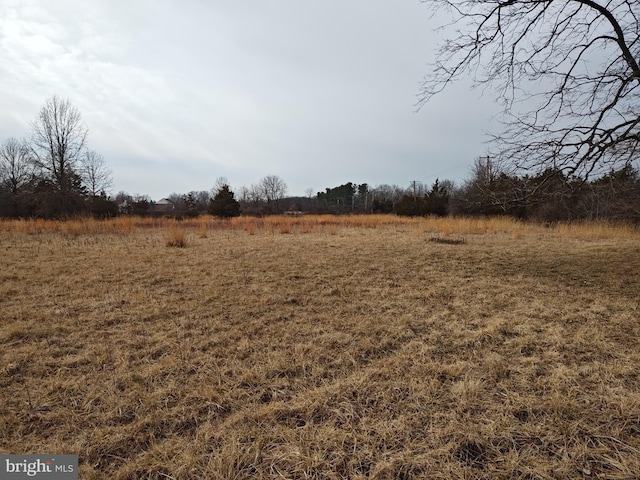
{"type": "Point", "coordinates": [176, 94]}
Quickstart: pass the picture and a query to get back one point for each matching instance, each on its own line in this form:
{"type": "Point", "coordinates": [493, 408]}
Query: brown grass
{"type": "Point", "coordinates": [177, 235]}
{"type": "Point", "coordinates": [322, 347]}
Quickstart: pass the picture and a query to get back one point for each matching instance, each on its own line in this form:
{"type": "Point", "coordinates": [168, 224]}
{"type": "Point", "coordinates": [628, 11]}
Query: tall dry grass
{"type": "Point", "coordinates": [282, 224]}
{"type": "Point", "coordinates": [176, 235]}
{"type": "Point", "coordinates": [599, 230]}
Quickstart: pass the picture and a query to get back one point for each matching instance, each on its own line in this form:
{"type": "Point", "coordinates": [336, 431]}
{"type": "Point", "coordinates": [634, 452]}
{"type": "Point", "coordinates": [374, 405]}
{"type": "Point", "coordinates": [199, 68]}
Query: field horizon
{"type": "Point", "coordinates": [320, 347]}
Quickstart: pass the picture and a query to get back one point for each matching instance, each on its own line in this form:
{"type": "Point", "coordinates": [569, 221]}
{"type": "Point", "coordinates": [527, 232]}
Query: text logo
{"type": "Point", "coordinates": [49, 467]}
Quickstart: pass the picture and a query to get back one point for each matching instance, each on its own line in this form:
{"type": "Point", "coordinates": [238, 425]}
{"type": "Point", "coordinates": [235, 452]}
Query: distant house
{"type": "Point", "coordinates": [163, 205]}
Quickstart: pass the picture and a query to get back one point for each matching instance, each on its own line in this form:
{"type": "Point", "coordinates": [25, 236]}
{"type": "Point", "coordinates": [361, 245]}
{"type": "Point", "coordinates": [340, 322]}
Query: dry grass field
{"type": "Point", "coordinates": [322, 348]}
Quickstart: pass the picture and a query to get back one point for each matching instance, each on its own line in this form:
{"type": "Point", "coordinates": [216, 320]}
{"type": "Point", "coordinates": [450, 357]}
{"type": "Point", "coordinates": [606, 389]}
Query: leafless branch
{"type": "Point", "coordinates": [95, 173]}
{"type": "Point", "coordinates": [566, 72]}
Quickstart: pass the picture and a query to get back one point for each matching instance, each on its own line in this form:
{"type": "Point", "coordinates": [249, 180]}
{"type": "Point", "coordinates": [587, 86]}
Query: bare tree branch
{"type": "Point", "coordinates": [565, 71]}
{"type": "Point", "coordinates": [95, 173]}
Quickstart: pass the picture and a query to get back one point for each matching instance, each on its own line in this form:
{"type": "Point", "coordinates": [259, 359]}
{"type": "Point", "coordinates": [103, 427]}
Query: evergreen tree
{"type": "Point", "coordinates": [224, 204]}
{"type": "Point", "coordinates": [409, 206]}
{"type": "Point", "coordinates": [436, 201]}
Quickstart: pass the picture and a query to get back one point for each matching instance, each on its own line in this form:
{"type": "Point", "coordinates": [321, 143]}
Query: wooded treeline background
{"type": "Point", "coordinates": [54, 175]}
{"type": "Point", "coordinates": [547, 197]}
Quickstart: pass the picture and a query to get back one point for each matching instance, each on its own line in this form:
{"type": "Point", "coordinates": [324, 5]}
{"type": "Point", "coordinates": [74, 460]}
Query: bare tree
{"type": "Point", "coordinates": [202, 199]}
{"type": "Point", "coordinates": [16, 169]}
{"type": "Point", "coordinates": [58, 142]}
{"type": "Point", "coordinates": [219, 184]}
{"type": "Point", "coordinates": [256, 195]}
{"type": "Point", "coordinates": [243, 194]}
{"type": "Point", "coordinates": [566, 72]}
{"type": "Point", "coordinates": [273, 189]}
{"type": "Point", "coordinates": [250, 199]}
{"type": "Point", "coordinates": [95, 174]}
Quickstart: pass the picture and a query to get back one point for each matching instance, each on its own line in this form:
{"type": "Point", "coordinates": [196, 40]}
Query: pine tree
{"type": "Point", "coordinates": [224, 203]}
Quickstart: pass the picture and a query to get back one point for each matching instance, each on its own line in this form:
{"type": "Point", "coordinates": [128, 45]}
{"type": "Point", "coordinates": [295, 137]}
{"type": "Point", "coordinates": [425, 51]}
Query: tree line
{"type": "Point", "coordinates": [549, 196]}
{"type": "Point", "coordinates": [266, 197]}
{"type": "Point", "coordinates": [53, 174]}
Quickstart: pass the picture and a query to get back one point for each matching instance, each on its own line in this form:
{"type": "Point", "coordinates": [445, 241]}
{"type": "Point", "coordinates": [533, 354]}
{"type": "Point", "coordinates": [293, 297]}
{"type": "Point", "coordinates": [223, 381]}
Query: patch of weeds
{"type": "Point", "coordinates": [176, 237]}
{"type": "Point", "coordinates": [448, 240]}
